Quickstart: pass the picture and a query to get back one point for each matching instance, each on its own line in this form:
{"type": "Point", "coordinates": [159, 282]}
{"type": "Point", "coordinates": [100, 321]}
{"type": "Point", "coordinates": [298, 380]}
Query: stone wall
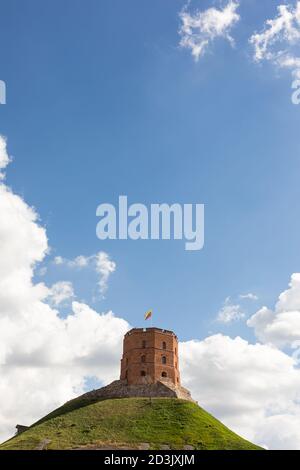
{"type": "Point", "coordinates": [120, 389]}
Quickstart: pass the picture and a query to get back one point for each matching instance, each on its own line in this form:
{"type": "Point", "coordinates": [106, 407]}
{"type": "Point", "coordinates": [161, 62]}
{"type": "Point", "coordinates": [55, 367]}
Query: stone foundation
{"type": "Point", "coordinates": [120, 389]}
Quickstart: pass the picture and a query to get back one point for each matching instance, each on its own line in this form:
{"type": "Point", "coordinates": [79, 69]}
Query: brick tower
{"type": "Point", "coordinates": [150, 355]}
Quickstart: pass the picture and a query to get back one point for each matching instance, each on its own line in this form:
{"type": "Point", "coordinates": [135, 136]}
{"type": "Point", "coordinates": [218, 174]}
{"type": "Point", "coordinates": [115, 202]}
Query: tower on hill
{"type": "Point", "coordinates": [149, 368]}
{"type": "Point", "coordinates": [150, 355]}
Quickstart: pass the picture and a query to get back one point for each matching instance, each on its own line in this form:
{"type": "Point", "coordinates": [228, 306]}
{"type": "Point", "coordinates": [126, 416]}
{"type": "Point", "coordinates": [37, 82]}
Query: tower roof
{"type": "Point", "coordinates": [151, 329]}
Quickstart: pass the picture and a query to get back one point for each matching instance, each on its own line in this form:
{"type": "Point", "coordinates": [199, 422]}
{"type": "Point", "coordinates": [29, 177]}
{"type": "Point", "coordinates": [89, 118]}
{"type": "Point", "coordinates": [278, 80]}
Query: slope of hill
{"type": "Point", "coordinates": [128, 422]}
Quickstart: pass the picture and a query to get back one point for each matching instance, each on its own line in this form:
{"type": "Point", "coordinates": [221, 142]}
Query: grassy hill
{"type": "Point", "coordinates": [128, 422]}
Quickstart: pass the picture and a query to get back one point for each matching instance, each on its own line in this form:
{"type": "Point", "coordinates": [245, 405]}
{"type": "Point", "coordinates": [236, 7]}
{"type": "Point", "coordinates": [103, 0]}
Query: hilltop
{"type": "Point", "coordinates": [128, 423]}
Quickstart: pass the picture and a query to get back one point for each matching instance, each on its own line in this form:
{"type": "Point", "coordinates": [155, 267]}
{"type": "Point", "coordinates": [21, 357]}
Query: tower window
{"type": "Point", "coordinates": [164, 345]}
{"type": "Point", "coordinates": [164, 374]}
{"type": "Point", "coordinates": [143, 373]}
{"type": "Point", "coordinates": [164, 360]}
{"type": "Point", "coordinates": [143, 358]}
{"type": "Point", "coordinates": [144, 344]}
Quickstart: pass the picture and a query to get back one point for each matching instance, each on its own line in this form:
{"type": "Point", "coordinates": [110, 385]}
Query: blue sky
{"type": "Point", "coordinates": [102, 101]}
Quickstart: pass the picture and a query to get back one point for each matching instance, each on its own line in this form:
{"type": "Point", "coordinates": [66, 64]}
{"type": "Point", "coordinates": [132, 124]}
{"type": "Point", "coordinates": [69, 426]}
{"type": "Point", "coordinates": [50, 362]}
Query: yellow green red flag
{"type": "Point", "coordinates": [148, 315]}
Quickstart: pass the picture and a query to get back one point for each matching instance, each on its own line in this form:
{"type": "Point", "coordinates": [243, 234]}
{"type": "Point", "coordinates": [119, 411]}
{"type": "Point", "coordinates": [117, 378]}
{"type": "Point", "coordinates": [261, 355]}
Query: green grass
{"type": "Point", "coordinates": [129, 422]}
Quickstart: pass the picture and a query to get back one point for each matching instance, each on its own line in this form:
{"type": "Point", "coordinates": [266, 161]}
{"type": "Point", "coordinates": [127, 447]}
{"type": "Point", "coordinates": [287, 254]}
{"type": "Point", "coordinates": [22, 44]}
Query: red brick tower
{"type": "Point", "coordinates": [150, 355]}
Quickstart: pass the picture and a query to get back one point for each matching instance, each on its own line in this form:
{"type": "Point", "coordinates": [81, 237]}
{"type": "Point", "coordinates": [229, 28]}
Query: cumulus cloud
{"type": "Point", "coordinates": [281, 326]}
{"type": "Point", "coordinates": [100, 262]}
{"type": "Point", "coordinates": [249, 387]}
{"type": "Point", "coordinates": [42, 271]}
{"type": "Point", "coordinates": [230, 312]}
{"type": "Point", "coordinates": [200, 29]}
{"type": "Point", "coordinates": [60, 292]}
{"type": "Point", "coordinates": [4, 158]}
{"type": "Point", "coordinates": [278, 38]}
{"type": "Point", "coordinates": [78, 262]}
{"type": "Point", "coordinates": [249, 296]}
{"type": "Point", "coordinates": [44, 359]}
{"type": "Point", "coordinates": [253, 388]}
{"type": "Point", "coordinates": [105, 267]}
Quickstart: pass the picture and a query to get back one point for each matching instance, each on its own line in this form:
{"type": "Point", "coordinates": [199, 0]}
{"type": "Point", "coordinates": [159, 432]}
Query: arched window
{"type": "Point", "coordinates": [164, 345]}
{"type": "Point", "coordinates": [164, 360]}
{"type": "Point", "coordinates": [164, 374]}
{"type": "Point", "coordinates": [143, 373]}
{"type": "Point", "coordinates": [175, 351]}
{"type": "Point", "coordinates": [143, 358]}
{"type": "Point", "coordinates": [144, 344]}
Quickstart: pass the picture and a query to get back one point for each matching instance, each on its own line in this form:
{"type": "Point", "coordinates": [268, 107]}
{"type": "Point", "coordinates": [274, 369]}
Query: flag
{"type": "Point", "coordinates": [148, 315]}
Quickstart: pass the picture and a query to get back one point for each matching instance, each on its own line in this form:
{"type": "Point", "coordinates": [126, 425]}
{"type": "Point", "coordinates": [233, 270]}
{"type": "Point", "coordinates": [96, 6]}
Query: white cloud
{"type": "Point", "coordinates": [282, 431]}
{"type": "Point", "coordinates": [4, 158]}
{"type": "Point", "coordinates": [253, 388]}
{"type": "Point", "coordinates": [280, 327]}
{"type": "Point", "coordinates": [44, 359]}
{"type": "Point", "coordinates": [58, 260]}
{"type": "Point", "coordinates": [100, 262]}
{"type": "Point", "coordinates": [249, 296]}
{"type": "Point", "coordinates": [60, 292]}
{"type": "Point", "coordinates": [230, 312]}
{"type": "Point", "coordinates": [249, 387]}
{"type": "Point", "coordinates": [105, 267]}
{"type": "Point", "coordinates": [202, 28]}
{"type": "Point", "coordinates": [276, 42]}
{"type": "Point", "coordinates": [42, 271]}
{"type": "Point", "coordinates": [78, 262]}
